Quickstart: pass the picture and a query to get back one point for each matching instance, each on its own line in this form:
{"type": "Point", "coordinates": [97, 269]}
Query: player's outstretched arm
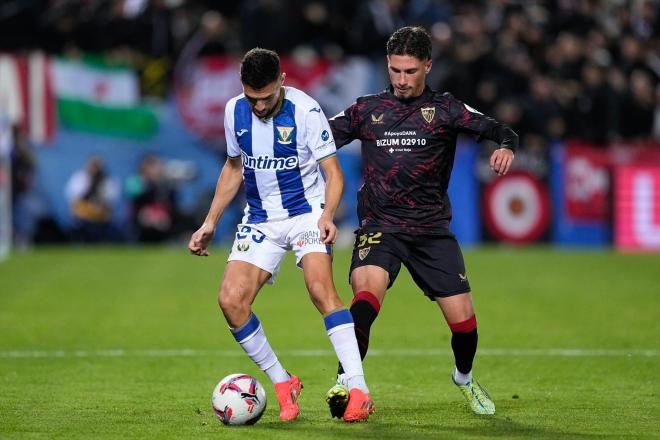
{"type": "Point", "coordinates": [334, 188]}
{"type": "Point", "coordinates": [225, 190]}
{"type": "Point", "coordinates": [501, 160]}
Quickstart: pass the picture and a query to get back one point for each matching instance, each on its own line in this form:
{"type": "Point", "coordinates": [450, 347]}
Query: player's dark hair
{"type": "Point", "coordinates": [260, 67]}
{"type": "Point", "coordinates": [413, 41]}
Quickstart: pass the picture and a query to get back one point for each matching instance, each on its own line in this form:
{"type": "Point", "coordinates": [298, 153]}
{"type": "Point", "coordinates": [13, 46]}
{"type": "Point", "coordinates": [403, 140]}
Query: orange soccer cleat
{"type": "Point", "coordinates": [359, 406]}
{"type": "Point", "coordinates": [287, 396]}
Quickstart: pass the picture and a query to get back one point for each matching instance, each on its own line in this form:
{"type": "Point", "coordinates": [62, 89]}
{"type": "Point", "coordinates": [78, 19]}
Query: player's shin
{"type": "Point", "coordinates": [252, 338]}
{"type": "Point", "coordinates": [364, 309]}
{"type": "Point", "coordinates": [340, 328]}
{"type": "Point", "coordinates": [464, 345]}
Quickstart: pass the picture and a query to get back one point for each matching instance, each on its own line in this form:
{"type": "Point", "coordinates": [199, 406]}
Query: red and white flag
{"type": "Point", "coordinates": [26, 94]}
{"type": "Point", "coordinates": [204, 85]}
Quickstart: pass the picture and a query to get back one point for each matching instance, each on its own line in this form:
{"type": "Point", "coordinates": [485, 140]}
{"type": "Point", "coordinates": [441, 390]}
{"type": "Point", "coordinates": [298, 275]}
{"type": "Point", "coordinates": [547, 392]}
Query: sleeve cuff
{"type": "Point", "coordinates": [326, 157]}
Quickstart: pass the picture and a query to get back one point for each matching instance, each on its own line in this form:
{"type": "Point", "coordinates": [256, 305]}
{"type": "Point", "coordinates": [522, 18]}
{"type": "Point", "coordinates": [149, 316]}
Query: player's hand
{"type": "Point", "coordinates": [500, 161]}
{"type": "Point", "coordinates": [328, 229]}
{"type": "Point", "coordinates": [200, 240]}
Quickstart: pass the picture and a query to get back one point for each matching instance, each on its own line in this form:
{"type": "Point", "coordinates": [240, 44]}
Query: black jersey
{"type": "Point", "coordinates": [408, 149]}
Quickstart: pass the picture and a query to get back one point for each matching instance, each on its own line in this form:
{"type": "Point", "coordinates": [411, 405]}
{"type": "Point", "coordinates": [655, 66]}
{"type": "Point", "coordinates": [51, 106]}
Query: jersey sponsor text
{"type": "Point", "coordinates": [265, 162]}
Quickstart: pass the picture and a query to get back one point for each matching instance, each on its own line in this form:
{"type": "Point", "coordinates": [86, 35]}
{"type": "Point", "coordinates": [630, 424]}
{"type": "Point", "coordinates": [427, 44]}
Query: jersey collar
{"type": "Point", "coordinates": [411, 101]}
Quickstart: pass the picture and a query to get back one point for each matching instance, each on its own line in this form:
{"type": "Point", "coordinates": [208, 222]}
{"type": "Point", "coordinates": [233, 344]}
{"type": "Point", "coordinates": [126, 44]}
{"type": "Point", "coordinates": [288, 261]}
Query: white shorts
{"type": "Point", "coordinates": [265, 244]}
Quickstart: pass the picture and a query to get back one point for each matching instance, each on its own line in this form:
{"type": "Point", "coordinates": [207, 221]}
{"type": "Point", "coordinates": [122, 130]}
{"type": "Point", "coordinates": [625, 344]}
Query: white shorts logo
{"type": "Point", "coordinates": [265, 244]}
{"type": "Point", "coordinates": [309, 237]}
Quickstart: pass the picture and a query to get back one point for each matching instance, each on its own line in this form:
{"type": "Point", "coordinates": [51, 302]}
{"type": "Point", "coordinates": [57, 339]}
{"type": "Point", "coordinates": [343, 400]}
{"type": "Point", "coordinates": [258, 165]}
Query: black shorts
{"type": "Point", "coordinates": [435, 262]}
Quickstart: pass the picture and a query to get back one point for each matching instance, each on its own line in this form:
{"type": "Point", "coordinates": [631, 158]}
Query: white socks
{"type": "Point", "coordinates": [341, 331]}
{"type": "Point", "coordinates": [252, 338]}
{"type": "Point", "coordinates": [340, 328]}
{"type": "Point", "coordinates": [460, 378]}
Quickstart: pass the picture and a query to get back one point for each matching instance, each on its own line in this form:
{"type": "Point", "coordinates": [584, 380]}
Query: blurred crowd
{"type": "Point", "coordinates": [93, 195]}
{"type": "Point", "coordinates": [584, 69]}
{"type": "Point", "coordinates": [552, 70]}
{"type": "Point", "coordinates": [153, 216]}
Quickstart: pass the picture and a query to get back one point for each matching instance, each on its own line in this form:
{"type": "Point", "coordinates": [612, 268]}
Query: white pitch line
{"type": "Point", "coordinates": [405, 352]}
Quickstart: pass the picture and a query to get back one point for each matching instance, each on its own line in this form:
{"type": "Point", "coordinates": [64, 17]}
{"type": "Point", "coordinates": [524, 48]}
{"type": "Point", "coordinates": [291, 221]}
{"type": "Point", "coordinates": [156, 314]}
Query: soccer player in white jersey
{"type": "Point", "coordinates": [278, 139]}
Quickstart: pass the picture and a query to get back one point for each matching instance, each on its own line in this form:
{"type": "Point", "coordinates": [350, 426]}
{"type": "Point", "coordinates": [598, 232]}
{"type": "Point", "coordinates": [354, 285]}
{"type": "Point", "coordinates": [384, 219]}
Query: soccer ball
{"type": "Point", "coordinates": [239, 399]}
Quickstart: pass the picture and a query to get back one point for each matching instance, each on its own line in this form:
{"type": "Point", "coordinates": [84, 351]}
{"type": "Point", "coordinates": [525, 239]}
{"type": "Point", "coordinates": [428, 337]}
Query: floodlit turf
{"type": "Point", "coordinates": [129, 342]}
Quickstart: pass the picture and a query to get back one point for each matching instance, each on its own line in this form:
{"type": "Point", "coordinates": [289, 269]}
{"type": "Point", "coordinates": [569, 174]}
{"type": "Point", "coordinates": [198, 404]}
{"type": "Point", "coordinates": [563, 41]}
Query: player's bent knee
{"type": "Point", "coordinates": [370, 278]}
{"type": "Point", "coordinates": [317, 288]}
{"type": "Point", "coordinates": [457, 308]}
{"type": "Point", "coordinates": [232, 299]}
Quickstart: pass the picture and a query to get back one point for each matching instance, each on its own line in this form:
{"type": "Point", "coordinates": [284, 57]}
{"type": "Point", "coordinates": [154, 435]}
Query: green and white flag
{"type": "Point", "coordinates": [100, 98]}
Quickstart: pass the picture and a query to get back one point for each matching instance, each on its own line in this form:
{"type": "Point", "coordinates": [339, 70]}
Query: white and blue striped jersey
{"type": "Point", "coordinates": [280, 155]}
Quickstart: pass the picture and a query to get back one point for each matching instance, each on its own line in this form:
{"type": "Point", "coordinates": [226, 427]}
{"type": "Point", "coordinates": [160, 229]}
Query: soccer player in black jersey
{"type": "Point", "coordinates": [408, 134]}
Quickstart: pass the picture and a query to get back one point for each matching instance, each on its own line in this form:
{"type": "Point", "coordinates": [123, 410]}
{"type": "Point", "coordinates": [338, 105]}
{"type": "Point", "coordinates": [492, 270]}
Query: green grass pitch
{"type": "Point", "coordinates": [129, 342]}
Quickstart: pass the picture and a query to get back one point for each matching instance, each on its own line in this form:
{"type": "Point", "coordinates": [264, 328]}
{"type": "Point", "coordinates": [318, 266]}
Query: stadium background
{"type": "Point", "coordinates": [120, 80]}
{"type": "Point", "coordinates": [125, 340]}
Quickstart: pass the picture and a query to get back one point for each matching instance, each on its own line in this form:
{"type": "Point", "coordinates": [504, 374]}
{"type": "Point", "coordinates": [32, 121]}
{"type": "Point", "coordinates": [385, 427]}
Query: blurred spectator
{"type": "Point", "coordinates": [543, 111]}
{"type": "Point", "coordinates": [638, 107]}
{"type": "Point", "coordinates": [91, 193]}
{"type": "Point", "coordinates": [154, 210]}
{"type": "Point", "coordinates": [566, 56]}
{"type": "Point", "coordinates": [155, 43]}
{"type": "Point", "coordinates": [442, 55]}
{"type": "Point", "coordinates": [510, 112]}
{"type": "Point", "coordinates": [155, 24]}
{"type": "Point", "coordinates": [631, 54]}
{"type": "Point", "coordinates": [315, 27]}
{"type": "Point", "coordinates": [213, 34]}
{"type": "Point", "coordinates": [18, 22]}
{"type": "Point", "coordinates": [645, 20]}
{"type": "Point", "coordinates": [213, 37]}
{"type": "Point", "coordinates": [373, 21]}
{"type": "Point", "coordinates": [268, 23]}
{"type": "Point", "coordinates": [595, 115]}
{"type": "Point", "coordinates": [25, 212]}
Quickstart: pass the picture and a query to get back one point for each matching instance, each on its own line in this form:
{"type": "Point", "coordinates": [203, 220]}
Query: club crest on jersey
{"type": "Point", "coordinates": [377, 119]}
{"type": "Point", "coordinates": [242, 246]}
{"type": "Point", "coordinates": [362, 253]}
{"type": "Point", "coordinates": [284, 135]}
{"type": "Point", "coordinates": [428, 113]}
